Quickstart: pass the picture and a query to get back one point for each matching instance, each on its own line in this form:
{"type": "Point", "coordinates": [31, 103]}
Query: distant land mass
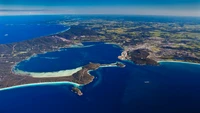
{"type": "Point", "coordinates": [143, 42]}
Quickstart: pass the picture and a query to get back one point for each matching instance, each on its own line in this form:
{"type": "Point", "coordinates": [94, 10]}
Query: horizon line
{"type": "Point", "coordinates": [170, 15]}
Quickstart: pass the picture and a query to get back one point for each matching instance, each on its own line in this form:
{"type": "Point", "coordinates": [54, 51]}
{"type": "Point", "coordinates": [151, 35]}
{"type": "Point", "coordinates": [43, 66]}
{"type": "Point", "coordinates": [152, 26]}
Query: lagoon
{"type": "Point", "coordinates": [171, 87]}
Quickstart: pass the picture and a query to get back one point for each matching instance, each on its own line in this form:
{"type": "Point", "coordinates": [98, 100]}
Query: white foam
{"type": "Point", "coordinates": [111, 65]}
{"type": "Point", "coordinates": [63, 30]}
{"type": "Point", "coordinates": [178, 62]}
{"type": "Point", "coordinates": [62, 73]}
{"type": "Point", "coordinates": [80, 46]}
{"type": "Point", "coordinates": [33, 56]}
{"type": "Point", "coordinates": [39, 84]}
{"type": "Point", "coordinates": [114, 44]}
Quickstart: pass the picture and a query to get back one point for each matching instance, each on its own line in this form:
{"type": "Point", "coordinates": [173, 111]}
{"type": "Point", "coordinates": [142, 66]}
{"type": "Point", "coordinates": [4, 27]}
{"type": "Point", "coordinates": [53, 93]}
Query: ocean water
{"type": "Point", "coordinates": [168, 88]}
{"type": "Point", "coordinates": [172, 87]}
{"type": "Point", "coordinates": [20, 28]}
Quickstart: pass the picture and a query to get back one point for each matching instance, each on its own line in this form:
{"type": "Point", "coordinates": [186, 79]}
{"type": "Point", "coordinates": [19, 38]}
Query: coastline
{"type": "Point", "coordinates": [14, 71]}
{"type": "Point", "coordinates": [68, 28]}
{"type": "Point", "coordinates": [173, 61]}
{"type": "Point", "coordinates": [39, 84]}
{"type": "Point", "coordinates": [56, 74]}
{"type": "Point", "coordinates": [62, 73]}
{"type": "Point", "coordinates": [116, 44]}
{"type": "Point", "coordinates": [78, 45]}
{"type": "Point", "coordinates": [76, 84]}
{"type": "Point", "coordinates": [36, 54]}
{"type": "Point", "coordinates": [62, 30]}
{"type": "Point", "coordinates": [65, 29]}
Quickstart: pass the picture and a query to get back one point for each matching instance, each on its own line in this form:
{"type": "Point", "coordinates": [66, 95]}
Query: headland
{"type": "Point", "coordinates": [141, 51]}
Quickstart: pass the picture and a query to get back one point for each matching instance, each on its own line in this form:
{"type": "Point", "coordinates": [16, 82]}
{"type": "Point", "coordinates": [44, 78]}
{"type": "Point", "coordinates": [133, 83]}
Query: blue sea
{"type": "Point", "coordinates": [20, 28]}
{"type": "Point", "coordinates": [172, 87]}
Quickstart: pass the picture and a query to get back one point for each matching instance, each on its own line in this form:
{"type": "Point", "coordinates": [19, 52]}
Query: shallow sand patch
{"type": "Point", "coordinates": [62, 73]}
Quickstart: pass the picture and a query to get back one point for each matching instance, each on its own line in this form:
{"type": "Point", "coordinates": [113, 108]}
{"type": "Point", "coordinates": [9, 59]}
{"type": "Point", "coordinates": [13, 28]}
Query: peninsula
{"type": "Point", "coordinates": [145, 44]}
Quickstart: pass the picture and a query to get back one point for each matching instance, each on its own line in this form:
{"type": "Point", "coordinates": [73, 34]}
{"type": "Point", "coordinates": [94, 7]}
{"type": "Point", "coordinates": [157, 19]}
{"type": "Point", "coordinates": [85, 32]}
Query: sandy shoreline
{"type": "Point", "coordinates": [76, 84]}
{"type": "Point", "coordinates": [78, 45]}
{"type": "Point", "coordinates": [171, 61]}
{"type": "Point", "coordinates": [39, 84]}
{"type": "Point", "coordinates": [62, 73]}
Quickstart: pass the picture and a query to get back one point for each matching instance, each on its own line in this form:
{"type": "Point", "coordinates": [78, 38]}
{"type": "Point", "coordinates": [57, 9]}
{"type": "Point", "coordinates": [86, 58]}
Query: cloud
{"type": "Point", "coordinates": [125, 10]}
{"type": "Point", "coordinates": [19, 10]}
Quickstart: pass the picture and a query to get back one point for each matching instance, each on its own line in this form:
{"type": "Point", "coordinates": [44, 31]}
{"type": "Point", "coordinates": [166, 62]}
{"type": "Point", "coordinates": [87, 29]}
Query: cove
{"type": "Point", "coordinates": [69, 60]}
{"type": "Point", "coordinates": [172, 87]}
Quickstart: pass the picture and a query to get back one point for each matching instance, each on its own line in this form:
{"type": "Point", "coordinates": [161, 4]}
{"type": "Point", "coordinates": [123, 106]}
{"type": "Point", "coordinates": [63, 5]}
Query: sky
{"type": "Point", "coordinates": [125, 7]}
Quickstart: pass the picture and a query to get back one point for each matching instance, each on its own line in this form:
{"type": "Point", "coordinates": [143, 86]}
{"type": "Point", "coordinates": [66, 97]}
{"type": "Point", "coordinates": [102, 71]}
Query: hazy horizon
{"type": "Point", "coordinates": [116, 7]}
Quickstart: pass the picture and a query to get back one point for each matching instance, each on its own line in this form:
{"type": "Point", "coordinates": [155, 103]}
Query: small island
{"type": "Point", "coordinates": [141, 45]}
{"type": "Point", "coordinates": [119, 64]}
{"type": "Point", "coordinates": [77, 91]}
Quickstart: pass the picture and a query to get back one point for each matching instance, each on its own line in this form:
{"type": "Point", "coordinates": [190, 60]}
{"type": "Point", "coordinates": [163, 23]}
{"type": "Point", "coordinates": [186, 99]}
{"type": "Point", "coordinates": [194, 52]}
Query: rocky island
{"type": "Point", "coordinates": [13, 53]}
{"type": "Point", "coordinates": [142, 46]}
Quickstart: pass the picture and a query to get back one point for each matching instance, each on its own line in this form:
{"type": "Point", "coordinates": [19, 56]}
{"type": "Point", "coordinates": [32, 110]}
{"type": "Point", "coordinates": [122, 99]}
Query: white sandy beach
{"type": "Point", "coordinates": [171, 61]}
{"type": "Point", "coordinates": [62, 73]}
{"type": "Point", "coordinates": [39, 84]}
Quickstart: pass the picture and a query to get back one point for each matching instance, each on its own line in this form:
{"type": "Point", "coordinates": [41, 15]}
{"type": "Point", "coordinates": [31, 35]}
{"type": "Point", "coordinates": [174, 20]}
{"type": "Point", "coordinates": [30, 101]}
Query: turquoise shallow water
{"type": "Point", "coordinates": [168, 88]}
